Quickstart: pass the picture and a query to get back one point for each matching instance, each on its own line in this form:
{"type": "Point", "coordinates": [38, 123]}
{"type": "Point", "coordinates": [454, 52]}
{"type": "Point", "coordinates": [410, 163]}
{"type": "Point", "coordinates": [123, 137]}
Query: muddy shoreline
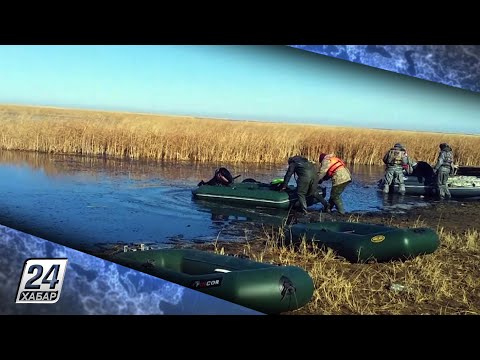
{"type": "Point", "coordinates": [451, 215]}
{"type": "Point", "coordinates": [444, 282]}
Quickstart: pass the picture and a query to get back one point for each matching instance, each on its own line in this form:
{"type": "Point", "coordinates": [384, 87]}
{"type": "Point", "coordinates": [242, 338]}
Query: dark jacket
{"type": "Point", "coordinates": [300, 166]}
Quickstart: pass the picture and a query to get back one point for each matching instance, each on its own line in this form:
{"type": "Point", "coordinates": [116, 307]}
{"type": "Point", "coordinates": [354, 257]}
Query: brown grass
{"type": "Point", "coordinates": [445, 282]}
{"type": "Point", "coordinates": [170, 138]}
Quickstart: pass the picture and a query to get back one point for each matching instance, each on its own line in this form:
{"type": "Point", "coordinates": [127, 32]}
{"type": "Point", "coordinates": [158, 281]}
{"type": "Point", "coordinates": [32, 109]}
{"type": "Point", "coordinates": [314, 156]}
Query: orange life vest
{"type": "Point", "coordinates": [335, 164]}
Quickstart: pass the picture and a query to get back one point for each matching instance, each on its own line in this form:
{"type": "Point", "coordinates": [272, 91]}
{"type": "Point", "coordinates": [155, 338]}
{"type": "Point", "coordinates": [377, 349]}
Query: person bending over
{"type": "Point", "coordinates": [307, 181]}
{"type": "Point", "coordinates": [331, 167]}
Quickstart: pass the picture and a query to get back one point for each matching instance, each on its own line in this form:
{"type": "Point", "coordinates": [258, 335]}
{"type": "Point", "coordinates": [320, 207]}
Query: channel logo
{"type": "Point", "coordinates": [41, 281]}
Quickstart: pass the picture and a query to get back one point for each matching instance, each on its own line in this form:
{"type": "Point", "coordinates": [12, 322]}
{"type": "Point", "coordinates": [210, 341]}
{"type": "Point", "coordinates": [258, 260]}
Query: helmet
{"type": "Point", "coordinates": [322, 156]}
{"type": "Point", "coordinates": [443, 146]}
{"type": "Point", "coordinates": [400, 146]}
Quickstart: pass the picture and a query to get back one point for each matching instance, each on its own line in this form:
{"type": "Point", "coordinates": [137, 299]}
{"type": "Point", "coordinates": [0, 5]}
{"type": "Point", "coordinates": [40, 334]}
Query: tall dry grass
{"type": "Point", "coordinates": [445, 282]}
{"type": "Point", "coordinates": [169, 138]}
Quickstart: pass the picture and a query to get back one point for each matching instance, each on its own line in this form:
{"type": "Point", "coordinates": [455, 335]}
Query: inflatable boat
{"type": "Point", "coordinates": [468, 171]}
{"type": "Point", "coordinates": [359, 242]}
{"type": "Point", "coordinates": [263, 287]}
{"type": "Point", "coordinates": [253, 193]}
{"type": "Point", "coordinates": [464, 183]}
{"type": "Point", "coordinates": [249, 193]}
{"type": "Point", "coordinates": [460, 186]}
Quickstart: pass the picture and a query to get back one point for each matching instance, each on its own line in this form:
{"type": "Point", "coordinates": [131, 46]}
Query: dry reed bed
{"type": "Point", "coordinates": [169, 138]}
{"type": "Point", "coordinates": [445, 282]}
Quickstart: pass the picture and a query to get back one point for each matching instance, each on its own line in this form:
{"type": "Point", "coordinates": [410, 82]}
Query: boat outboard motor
{"type": "Point", "coordinates": [424, 172]}
{"type": "Point", "coordinates": [222, 177]}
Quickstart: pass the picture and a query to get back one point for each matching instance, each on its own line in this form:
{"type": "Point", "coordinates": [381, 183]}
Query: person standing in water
{"type": "Point", "coordinates": [331, 167]}
{"type": "Point", "coordinates": [307, 181]}
{"type": "Point", "coordinates": [443, 168]}
{"type": "Point", "coordinates": [395, 160]}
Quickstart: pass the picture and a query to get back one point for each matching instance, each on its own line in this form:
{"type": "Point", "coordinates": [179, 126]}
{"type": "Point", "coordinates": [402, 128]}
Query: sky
{"type": "Point", "coordinates": [265, 83]}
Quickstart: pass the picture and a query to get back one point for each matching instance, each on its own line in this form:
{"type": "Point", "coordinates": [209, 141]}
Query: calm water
{"type": "Point", "coordinates": [82, 202]}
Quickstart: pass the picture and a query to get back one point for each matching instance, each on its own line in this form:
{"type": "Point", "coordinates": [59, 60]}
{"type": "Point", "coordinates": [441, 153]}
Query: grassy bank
{"type": "Point", "coordinates": [169, 138]}
{"type": "Point", "coordinates": [445, 282]}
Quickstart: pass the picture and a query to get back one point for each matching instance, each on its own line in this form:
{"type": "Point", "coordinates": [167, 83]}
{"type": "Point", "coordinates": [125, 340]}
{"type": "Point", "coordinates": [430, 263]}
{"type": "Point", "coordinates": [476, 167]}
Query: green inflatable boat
{"type": "Point", "coordinates": [251, 193]}
{"type": "Point", "coordinates": [363, 242]}
{"type": "Point", "coordinates": [263, 287]}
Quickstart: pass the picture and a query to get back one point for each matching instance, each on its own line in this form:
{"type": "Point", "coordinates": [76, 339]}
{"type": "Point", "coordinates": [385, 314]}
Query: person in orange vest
{"type": "Point", "coordinates": [331, 167]}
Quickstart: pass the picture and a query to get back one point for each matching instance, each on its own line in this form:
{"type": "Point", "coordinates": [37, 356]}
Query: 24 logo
{"type": "Point", "coordinates": [41, 281]}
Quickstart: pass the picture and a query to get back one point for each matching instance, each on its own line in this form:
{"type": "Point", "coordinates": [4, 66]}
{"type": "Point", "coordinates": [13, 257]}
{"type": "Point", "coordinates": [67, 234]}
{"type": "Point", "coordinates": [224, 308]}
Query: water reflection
{"type": "Point", "coordinates": [55, 165]}
{"type": "Point", "coordinates": [396, 202]}
{"type": "Point", "coordinates": [222, 213]}
{"type": "Point", "coordinates": [80, 201]}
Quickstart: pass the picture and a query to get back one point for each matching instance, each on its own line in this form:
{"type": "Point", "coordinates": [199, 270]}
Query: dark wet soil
{"type": "Point", "coordinates": [452, 265]}
{"type": "Point", "coordinates": [452, 216]}
{"type": "Point", "coordinates": [455, 217]}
